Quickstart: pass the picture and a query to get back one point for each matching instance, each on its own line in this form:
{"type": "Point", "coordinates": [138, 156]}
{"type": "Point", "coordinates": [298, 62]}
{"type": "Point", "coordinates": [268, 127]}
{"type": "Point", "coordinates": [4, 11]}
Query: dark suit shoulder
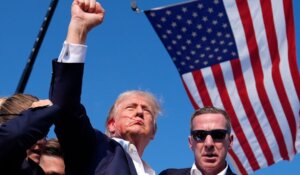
{"type": "Point", "coordinates": [229, 172]}
{"type": "Point", "coordinates": [175, 171]}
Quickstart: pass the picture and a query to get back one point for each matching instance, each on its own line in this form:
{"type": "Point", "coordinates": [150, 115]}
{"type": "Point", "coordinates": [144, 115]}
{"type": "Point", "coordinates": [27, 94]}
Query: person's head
{"type": "Point", "coordinates": [34, 152]}
{"type": "Point", "coordinates": [12, 106]}
{"type": "Point", "coordinates": [52, 160]}
{"type": "Point", "coordinates": [210, 139]}
{"type": "Point", "coordinates": [133, 114]}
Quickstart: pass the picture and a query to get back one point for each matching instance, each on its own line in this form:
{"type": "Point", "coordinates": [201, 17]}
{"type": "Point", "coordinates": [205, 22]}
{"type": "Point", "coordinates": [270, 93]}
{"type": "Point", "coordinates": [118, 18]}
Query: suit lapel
{"type": "Point", "coordinates": [130, 164]}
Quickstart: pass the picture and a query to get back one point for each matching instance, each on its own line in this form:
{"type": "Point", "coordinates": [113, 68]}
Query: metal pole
{"type": "Point", "coordinates": [134, 7]}
{"type": "Point", "coordinates": [36, 47]}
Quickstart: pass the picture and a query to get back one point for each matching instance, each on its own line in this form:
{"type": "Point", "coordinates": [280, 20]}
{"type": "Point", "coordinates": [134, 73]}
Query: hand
{"type": "Point", "coordinates": [41, 103]}
{"type": "Point", "coordinates": [2, 100]}
{"type": "Point", "coordinates": [86, 14]}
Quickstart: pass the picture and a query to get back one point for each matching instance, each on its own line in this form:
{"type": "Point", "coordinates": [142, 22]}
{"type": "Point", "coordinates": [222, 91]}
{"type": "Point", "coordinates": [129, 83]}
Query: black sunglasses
{"type": "Point", "coordinates": [216, 134]}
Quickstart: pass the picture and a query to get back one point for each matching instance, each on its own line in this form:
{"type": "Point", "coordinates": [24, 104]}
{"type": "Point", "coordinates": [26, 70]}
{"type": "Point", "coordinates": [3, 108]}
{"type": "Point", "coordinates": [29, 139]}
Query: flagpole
{"type": "Point", "coordinates": [38, 41]}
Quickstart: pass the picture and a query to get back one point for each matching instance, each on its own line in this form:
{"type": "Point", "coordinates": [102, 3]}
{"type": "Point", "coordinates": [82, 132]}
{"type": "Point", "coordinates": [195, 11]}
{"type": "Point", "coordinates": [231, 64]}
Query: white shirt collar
{"type": "Point", "coordinates": [195, 171]}
{"type": "Point", "coordinates": [142, 168]}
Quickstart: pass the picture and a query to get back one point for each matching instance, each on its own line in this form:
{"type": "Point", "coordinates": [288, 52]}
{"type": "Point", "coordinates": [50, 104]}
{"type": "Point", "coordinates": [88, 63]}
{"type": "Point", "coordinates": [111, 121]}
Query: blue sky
{"type": "Point", "coordinates": [124, 53]}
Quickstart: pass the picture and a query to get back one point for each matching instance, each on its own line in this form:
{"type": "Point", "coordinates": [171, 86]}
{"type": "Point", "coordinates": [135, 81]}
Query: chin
{"type": "Point", "coordinates": [210, 164]}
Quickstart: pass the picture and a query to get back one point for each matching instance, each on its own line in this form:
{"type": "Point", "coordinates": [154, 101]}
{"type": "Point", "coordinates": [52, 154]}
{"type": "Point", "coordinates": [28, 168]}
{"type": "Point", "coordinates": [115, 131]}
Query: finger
{"type": "Point", "coordinates": [92, 6]}
{"type": "Point", "coordinates": [81, 4]}
{"type": "Point", "coordinates": [41, 103]}
{"type": "Point", "coordinates": [2, 100]}
{"type": "Point", "coordinates": [99, 8]}
{"type": "Point", "coordinates": [77, 2]}
{"type": "Point", "coordinates": [86, 5]}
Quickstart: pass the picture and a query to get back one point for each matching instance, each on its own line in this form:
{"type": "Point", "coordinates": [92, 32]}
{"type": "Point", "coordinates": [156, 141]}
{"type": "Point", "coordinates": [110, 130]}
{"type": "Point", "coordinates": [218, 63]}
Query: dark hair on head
{"type": "Point", "coordinates": [52, 148]}
{"type": "Point", "coordinates": [12, 106]}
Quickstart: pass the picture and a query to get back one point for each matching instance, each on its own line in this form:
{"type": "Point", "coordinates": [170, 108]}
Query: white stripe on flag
{"type": "Point", "coordinates": [211, 87]}
{"type": "Point", "coordinates": [192, 87]}
{"type": "Point", "coordinates": [297, 144]}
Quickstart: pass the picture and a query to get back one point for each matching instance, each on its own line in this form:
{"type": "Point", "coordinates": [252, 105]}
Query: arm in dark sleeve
{"type": "Point", "coordinates": [66, 83]}
{"type": "Point", "coordinates": [20, 133]}
{"type": "Point", "coordinates": [73, 129]}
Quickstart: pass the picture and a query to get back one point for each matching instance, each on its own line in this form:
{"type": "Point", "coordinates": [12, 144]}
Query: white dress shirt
{"type": "Point", "coordinates": [142, 168]}
{"type": "Point", "coordinates": [72, 53]}
{"type": "Point", "coordinates": [75, 53]}
{"type": "Point", "coordinates": [195, 171]}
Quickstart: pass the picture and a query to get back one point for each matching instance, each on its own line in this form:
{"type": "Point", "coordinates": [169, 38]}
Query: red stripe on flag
{"type": "Point", "coordinates": [275, 57]}
{"type": "Point", "coordinates": [290, 32]}
{"type": "Point", "coordinates": [200, 83]}
{"type": "Point", "coordinates": [220, 83]}
{"type": "Point", "coordinates": [258, 74]}
{"type": "Point", "coordinates": [242, 90]}
{"type": "Point", "coordinates": [237, 161]}
{"type": "Point", "coordinates": [195, 105]}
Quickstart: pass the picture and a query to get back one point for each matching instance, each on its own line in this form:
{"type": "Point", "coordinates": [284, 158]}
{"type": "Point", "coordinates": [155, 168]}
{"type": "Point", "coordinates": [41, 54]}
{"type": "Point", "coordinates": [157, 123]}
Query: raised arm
{"type": "Point", "coordinates": [73, 129]}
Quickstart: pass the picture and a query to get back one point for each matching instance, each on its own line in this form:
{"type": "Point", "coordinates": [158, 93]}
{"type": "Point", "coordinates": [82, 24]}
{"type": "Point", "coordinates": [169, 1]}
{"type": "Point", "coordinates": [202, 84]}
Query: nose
{"type": "Point", "coordinates": [139, 112]}
{"type": "Point", "coordinates": [209, 142]}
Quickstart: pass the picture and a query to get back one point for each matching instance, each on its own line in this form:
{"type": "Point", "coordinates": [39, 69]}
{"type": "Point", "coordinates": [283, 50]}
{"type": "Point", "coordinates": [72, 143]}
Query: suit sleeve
{"type": "Point", "coordinates": [164, 172]}
{"type": "Point", "coordinates": [66, 83]}
{"type": "Point", "coordinates": [20, 133]}
{"type": "Point", "coordinates": [176, 171]}
{"type": "Point", "coordinates": [73, 129]}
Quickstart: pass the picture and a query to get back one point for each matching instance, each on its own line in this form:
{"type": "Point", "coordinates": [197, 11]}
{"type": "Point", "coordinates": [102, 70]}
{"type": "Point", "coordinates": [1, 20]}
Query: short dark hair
{"type": "Point", "coordinates": [213, 110]}
{"type": "Point", "coordinates": [52, 148]}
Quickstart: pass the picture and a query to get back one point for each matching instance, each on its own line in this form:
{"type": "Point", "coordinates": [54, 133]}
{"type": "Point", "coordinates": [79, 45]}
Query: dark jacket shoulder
{"type": "Point", "coordinates": [175, 171]}
{"type": "Point", "coordinates": [186, 171]}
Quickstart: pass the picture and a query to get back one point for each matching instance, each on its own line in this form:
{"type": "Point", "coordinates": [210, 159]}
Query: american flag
{"type": "Point", "coordinates": [239, 55]}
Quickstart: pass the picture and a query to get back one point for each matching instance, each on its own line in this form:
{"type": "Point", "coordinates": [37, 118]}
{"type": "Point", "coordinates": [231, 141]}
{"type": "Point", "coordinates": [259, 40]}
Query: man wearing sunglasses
{"type": "Point", "coordinates": [210, 141]}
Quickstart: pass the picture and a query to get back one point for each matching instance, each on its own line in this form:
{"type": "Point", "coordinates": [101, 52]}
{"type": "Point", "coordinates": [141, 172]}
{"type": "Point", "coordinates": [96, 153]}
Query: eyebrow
{"type": "Point", "coordinates": [144, 106]}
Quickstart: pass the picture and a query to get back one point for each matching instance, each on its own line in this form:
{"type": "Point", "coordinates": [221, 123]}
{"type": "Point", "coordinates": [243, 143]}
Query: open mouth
{"type": "Point", "coordinates": [210, 156]}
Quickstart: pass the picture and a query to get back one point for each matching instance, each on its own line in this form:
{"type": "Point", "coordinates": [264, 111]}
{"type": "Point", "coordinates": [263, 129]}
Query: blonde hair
{"type": "Point", "coordinates": [12, 106]}
{"type": "Point", "coordinates": [115, 107]}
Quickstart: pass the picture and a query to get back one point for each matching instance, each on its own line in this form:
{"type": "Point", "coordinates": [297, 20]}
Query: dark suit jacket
{"type": "Point", "coordinates": [29, 167]}
{"type": "Point", "coordinates": [86, 150]}
{"type": "Point", "coordinates": [186, 171]}
{"type": "Point", "coordinates": [173, 171]}
{"type": "Point", "coordinates": [20, 133]}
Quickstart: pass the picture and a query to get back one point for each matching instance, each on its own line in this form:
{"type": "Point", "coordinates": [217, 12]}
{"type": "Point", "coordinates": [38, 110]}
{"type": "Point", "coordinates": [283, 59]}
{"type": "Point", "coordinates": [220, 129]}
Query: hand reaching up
{"type": "Point", "coordinates": [86, 14]}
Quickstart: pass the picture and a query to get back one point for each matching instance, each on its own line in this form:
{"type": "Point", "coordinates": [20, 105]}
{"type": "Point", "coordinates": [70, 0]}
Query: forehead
{"type": "Point", "coordinates": [51, 161]}
{"type": "Point", "coordinates": [135, 99]}
{"type": "Point", "coordinates": [209, 121]}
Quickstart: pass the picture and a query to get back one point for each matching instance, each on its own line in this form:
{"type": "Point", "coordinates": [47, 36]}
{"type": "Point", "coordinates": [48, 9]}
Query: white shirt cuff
{"type": "Point", "coordinates": [72, 53]}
